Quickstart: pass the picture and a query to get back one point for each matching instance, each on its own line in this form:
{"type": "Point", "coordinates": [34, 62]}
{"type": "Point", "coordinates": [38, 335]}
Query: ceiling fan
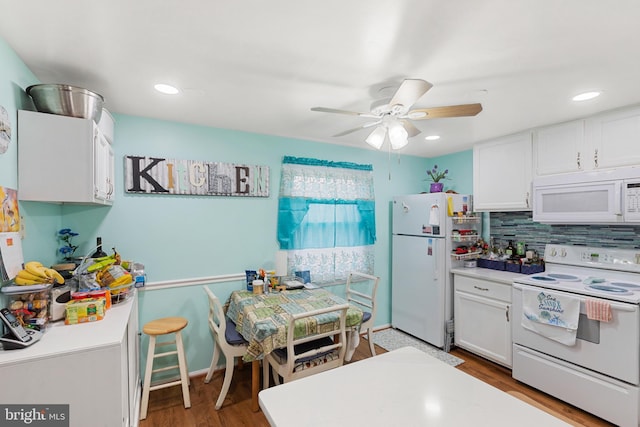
{"type": "Point", "coordinates": [393, 118]}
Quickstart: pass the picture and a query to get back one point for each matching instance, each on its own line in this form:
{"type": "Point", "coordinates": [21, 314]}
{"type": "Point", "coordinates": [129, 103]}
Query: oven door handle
{"type": "Point", "coordinates": [614, 306]}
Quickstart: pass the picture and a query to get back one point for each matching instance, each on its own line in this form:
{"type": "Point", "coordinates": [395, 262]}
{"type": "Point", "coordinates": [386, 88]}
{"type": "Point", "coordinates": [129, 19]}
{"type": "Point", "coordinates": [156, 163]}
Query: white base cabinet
{"type": "Point", "coordinates": [63, 160]}
{"type": "Point", "coordinates": [482, 313]}
{"type": "Point", "coordinates": [92, 367]}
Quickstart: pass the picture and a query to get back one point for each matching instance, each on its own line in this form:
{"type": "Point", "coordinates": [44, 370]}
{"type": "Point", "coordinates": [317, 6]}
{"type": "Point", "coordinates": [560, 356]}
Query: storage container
{"type": "Point", "coordinates": [30, 304]}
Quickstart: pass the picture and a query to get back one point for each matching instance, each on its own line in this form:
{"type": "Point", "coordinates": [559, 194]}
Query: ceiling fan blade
{"type": "Point", "coordinates": [410, 128]}
{"type": "Point", "coordinates": [441, 112]}
{"type": "Point", "coordinates": [364, 126]}
{"type": "Point", "coordinates": [410, 91]}
{"type": "Point", "coordinates": [350, 113]}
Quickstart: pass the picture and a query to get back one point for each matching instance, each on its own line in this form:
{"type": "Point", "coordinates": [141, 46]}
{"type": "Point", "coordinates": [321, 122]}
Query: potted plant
{"type": "Point", "coordinates": [68, 249]}
{"type": "Point", "coordinates": [436, 176]}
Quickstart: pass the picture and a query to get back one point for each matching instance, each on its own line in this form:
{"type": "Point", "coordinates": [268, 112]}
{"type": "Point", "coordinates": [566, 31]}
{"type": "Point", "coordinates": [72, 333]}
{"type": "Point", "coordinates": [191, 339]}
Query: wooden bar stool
{"type": "Point", "coordinates": [155, 328]}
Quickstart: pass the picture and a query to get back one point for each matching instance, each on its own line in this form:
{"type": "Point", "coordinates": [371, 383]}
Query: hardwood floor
{"type": "Point", "coordinates": [166, 409]}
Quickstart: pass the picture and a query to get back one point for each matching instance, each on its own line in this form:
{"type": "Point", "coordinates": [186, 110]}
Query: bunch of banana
{"type": "Point", "coordinates": [105, 261]}
{"type": "Point", "coordinates": [34, 273]}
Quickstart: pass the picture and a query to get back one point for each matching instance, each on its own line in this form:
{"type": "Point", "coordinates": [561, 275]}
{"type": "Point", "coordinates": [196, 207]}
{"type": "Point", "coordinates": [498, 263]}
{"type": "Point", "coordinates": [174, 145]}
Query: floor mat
{"type": "Point", "coordinates": [391, 339]}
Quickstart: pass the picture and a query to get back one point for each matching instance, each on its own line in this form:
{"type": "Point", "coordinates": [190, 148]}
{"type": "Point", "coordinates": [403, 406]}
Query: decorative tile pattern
{"type": "Point", "coordinates": [392, 339]}
{"type": "Point", "coordinates": [519, 226]}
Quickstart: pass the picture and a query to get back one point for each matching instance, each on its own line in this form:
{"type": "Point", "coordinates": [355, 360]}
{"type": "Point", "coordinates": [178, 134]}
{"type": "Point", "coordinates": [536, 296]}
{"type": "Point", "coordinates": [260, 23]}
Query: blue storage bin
{"type": "Point", "coordinates": [513, 267]}
{"type": "Point", "coordinates": [532, 269]}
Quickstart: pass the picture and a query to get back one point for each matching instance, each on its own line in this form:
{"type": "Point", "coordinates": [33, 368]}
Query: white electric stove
{"type": "Point", "coordinates": [600, 372]}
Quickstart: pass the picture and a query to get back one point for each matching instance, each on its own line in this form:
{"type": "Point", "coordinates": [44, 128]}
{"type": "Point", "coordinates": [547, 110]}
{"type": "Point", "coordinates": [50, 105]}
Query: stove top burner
{"type": "Point", "coordinates": [610, 289]}
{"type": "Point", "coordinates": [564, 277]}
{"type": "Point", "coordinates": [546, 279]}
{"type": "Point", "coordinates": [626, 285]}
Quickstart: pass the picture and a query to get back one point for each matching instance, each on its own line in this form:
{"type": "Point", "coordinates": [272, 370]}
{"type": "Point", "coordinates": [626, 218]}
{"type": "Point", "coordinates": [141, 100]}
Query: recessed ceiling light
{"type": "Point", "coordinates": [586, 96]}
{"type": "Point", "coordinates": [432, 137]}
{"type": "Point", "coordinates": [166, 89]}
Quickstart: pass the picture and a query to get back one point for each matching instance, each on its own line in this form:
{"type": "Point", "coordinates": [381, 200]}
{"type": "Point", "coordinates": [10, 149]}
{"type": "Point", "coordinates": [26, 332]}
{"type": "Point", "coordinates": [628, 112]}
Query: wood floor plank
{"type": "Point", "coordinates": [166, 408]}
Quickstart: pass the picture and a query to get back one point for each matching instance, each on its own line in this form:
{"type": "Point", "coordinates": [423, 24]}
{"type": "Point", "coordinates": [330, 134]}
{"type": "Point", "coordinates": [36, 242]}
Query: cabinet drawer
{"type": "Point", "coordinates": [484, 288]}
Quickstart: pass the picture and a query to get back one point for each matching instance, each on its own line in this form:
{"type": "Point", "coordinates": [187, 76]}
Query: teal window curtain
{"type": "Point", "coordinates": [326, 217]}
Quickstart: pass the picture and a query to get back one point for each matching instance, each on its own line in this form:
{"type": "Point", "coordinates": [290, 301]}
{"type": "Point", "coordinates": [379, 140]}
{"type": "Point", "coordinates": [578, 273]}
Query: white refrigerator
{"type": "Point", "coordinates": [421, 286]}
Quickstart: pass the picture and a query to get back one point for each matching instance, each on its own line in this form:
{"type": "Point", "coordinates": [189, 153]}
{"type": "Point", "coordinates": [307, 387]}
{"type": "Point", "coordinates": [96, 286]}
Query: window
{"type": "Point", "coordinates": [326, 218]}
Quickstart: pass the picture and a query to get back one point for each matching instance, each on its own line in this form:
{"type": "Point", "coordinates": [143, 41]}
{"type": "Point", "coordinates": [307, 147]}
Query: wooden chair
{"type": "Point", "coordinates": [366, 300]}
{"type": "Point", "coordinates": [310, 354]}
{"type": "Point", "coordinates": [227, 341]}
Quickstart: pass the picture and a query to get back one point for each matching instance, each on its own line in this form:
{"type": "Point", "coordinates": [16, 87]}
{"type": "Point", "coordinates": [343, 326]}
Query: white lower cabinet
{"type": "Point", "coordinates": [482, 312]}
{"type": "Point", "coordinates": [92, 367]}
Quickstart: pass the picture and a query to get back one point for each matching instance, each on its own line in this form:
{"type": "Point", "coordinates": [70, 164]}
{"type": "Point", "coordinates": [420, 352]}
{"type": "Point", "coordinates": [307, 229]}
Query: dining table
{"type": "Point", "coordinates": [262, 320]}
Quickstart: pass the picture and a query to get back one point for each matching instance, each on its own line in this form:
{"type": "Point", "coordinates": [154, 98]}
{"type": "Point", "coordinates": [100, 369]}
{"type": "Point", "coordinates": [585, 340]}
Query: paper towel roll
{"type": "Point", "coordinates": [281, 263]}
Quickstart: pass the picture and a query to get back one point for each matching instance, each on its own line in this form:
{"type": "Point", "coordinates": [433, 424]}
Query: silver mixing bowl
{"type": "Point", "coordinates": [66, 100]}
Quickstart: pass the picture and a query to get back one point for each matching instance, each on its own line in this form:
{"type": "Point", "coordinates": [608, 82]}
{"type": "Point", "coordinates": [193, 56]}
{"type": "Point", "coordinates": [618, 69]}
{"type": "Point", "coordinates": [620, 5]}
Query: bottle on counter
{"type": "Point", "coordinates": [99, 252]}
{"type": "Point", "coordinates": [510, 250]}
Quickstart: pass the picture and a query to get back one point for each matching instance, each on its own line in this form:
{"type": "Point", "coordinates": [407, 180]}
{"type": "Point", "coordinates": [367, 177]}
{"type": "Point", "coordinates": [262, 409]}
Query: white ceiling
{"type": "Point", "coordinates": [259, 66]}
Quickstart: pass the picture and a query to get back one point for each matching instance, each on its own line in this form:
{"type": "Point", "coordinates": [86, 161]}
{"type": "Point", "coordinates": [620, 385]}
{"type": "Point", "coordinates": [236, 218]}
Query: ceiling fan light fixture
{"type": "Point", "coordinates": [376, 138]}
{"type": "Point", "coordinates": [398, 136]}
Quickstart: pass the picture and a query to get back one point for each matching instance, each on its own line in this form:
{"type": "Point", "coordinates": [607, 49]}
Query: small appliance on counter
{"type": "Point", "coordinates": [16, 337]}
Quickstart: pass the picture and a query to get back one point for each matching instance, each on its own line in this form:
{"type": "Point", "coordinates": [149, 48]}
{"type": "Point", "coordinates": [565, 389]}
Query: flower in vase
{"type": "Point", "coordinates": [437, 175]}
{"type": "Point", "coordinates": [68, 249]}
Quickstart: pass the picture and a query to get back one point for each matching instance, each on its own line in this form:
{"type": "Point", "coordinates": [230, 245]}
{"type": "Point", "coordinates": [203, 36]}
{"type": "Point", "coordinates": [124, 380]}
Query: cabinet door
{"type": "Point", "coordinates": [103, 167]}
{"type": "Point", "coordinates": [559, 148]}
{"type": "Point", "coordinates": [614, 139]}
{"type": "Point", "coordinates": [502, 174]}
{"type": "Point", "coordinates": [483, 326]}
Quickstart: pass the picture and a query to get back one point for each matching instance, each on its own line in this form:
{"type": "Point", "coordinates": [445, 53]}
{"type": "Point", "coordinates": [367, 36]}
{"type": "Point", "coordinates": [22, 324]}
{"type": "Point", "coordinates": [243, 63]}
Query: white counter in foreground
{"type": "Point", "coordinates": [405, 387]}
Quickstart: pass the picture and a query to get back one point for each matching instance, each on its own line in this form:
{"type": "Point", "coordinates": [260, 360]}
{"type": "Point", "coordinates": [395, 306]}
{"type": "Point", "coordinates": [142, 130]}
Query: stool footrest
{"type": "Point", "coordinates": [166, 368]}
{"type": "Point", "coordinates": [166, 353]}
{"type": "Point", "coordinates": [164, 385]}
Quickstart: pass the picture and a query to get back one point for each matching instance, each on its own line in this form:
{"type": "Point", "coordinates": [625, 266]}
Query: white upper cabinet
{"type": "Point", "coordinates": [63, 160]}
{"type": "Point", "coordinates": [605, 141]}
{"type": "Point", "coordinates": [502, 174]}
{"type": "Point", "coordinates": [559, 148]}
{"type": "Point", "coordinates": [614, 139]}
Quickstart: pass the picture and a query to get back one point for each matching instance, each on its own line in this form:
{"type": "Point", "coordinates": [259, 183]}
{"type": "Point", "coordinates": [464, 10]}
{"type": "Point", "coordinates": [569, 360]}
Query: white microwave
{"type": "Point", "coordinates": [603, 197]}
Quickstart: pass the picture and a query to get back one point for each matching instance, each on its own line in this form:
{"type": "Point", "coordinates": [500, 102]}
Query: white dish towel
{"type": "Point", "coordinates": [552, 315]}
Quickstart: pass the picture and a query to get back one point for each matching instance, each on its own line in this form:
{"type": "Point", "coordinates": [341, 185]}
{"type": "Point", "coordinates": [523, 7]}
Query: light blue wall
{"type": "Point", "coordinates": [185, 237]}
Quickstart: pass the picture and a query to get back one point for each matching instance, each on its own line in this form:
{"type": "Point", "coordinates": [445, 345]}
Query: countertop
{"type": "Point", "coordinates": [404, 387]}
{"type": "Point", "coordinates": [60, 338]}
{"type": "Point", "coordinates": [506, 277]}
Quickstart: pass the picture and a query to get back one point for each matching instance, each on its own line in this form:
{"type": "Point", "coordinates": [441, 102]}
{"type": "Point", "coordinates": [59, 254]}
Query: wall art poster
{"type": "Point", "coordinates": [9, 215]}
{"type": "Point", "coordinates": [156, 175]}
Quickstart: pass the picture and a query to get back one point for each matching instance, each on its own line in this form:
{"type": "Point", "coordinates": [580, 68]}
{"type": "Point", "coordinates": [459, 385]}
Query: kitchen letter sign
{"type": "Point", "coordinates": [155, 175]}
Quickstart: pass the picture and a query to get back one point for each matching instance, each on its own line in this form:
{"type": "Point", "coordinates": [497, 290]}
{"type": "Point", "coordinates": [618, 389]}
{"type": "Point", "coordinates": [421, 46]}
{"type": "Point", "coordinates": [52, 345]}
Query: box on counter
{"type": "Point", "coordinates": [532, 268]}
{"type": "Point", "coordinates": [513, 267]}
{"type": "Point", "coordinates": [84, 310]}
{"type": "Point", "coordinates": [30, 304]}
{"type": "Point", "coordinates": [491, 264]}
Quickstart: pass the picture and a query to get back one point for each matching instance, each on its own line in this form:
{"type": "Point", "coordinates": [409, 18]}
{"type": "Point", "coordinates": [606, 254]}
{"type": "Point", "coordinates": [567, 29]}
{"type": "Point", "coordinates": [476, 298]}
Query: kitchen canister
{"type": "Point", "coordinates": [258, 286]}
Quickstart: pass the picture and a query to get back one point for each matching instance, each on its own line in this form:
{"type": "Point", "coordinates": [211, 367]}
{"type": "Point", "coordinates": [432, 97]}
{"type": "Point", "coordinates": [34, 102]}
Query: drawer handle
{"type": "Point", "coordinates": [507, 313]}
{"type": "Point", "coordinates": [480, 289]}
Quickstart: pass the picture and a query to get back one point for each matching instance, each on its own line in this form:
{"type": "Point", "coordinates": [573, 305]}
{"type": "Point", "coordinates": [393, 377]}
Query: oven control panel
{"type": "Point", "coordinates": [611, 258]}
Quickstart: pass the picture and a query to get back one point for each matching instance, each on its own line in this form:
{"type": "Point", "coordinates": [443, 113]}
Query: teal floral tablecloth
{"type": "Point", "coordinates": [262, 319]}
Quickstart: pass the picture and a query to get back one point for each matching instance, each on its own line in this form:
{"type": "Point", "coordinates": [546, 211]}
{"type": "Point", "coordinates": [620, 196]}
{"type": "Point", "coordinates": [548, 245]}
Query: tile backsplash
{"type": "Point", "coordinates": [519, 227]}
